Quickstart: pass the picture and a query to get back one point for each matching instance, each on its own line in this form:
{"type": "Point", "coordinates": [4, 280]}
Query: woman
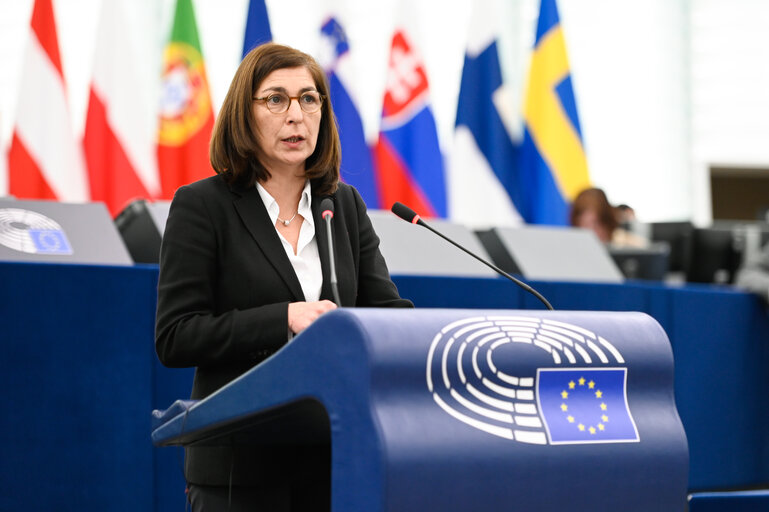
{"type": "Point", "coordinates": [244, 265]}
{"type": "Point", "coordinates": [592, 210]}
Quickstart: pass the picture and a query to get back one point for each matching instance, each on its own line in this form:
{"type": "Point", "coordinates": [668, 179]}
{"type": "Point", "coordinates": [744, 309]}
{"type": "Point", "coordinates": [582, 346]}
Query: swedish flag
{"type": "Point", "coordinates": [585, 405]}
{"type": "Point", "coordinates": [553, 165]}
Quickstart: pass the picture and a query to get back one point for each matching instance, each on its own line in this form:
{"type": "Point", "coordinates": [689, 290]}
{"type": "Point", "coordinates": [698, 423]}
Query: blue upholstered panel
{"type": "Point", "coordinates": [79, 377]}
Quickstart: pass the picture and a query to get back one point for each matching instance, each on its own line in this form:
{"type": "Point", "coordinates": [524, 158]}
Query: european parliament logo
{"type": "Point", "coordinates": [32, 233]}
{"type": "Point", "coordinates": [571, 388]}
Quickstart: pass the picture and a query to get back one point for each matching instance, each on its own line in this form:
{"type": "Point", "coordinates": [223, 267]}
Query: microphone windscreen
{"type": "Point", "coordinates": [326, 205]}
{"type": "Point", "coordinates": [403, 211]}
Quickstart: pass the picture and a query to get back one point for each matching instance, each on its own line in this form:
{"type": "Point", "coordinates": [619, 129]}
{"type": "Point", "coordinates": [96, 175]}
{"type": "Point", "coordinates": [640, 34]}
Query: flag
{"type": "Point", "coordinates": [585, 405]}
{"type": "Point", "coordinates": [45, 160]}
{"type": "Point", "coordinates": [553, 163]}
{"type": "Point", "coordinates": [407, 157]}
{"type": "Point", "coordinates": [357, 168]}
{"type": "Point", "coordinates": [257, 26]}
{"type": "Point", "coordinates": [118, 147]}
{"type": "Point", "coordinates": [186, 115]}
{"type": "Point", "coordinates": [485, 184]}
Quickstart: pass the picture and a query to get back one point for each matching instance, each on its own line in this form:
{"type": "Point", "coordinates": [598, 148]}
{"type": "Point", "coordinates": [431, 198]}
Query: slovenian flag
{"type": "Point", "coordinates": [553, 162]}
{"type": "Point", "coordinates": [407, 156]}
{"type": "Point", "coordinates": [485, 183]}
{"type": "Point", "coordinates": [186, 114]}
{"type": "Point", "coordinates": [45, 160]}
{"type": "Point", "coordinates": [257, 26]}
{"type": "Point", "coordinates": [357, 168]}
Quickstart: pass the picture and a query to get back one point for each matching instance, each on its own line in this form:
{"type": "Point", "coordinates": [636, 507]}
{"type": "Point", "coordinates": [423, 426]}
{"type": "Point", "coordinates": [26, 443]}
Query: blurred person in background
{"type": "Point", "coordinates": [753, 274]}
{"type": "Point", "coordinates": [625, 216]}
{"type": "Point", "coordinates": [592, 210]}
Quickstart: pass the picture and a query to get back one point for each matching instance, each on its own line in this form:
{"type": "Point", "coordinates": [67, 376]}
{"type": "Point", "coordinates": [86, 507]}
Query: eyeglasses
{"type": "Point", "coordinates": [278, 102]}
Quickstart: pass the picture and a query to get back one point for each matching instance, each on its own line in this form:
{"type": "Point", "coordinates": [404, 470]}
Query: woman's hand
{"type": "Point", "coordinates": [302, 314]}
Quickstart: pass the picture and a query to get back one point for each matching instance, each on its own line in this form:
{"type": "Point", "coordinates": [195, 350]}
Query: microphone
{"type": "Point", "coordinates": [409, 215]}
{"type": "Point", "coordinates": [327, 212]}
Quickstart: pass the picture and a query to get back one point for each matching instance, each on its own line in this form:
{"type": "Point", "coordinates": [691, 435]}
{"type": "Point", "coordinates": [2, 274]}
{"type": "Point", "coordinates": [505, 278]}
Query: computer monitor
{"type": "Point", "coordinates": [649, 264]}
{"type": "Point", "coordinates": [714, 256]}
{"type": "Point", "coordinates": [749, 236]}
{"type": "Point", "coordinates": [676, 234]}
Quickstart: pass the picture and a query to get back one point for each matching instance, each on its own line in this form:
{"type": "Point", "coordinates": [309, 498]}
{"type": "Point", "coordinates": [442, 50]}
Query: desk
{"type": "Point", "coordinates": [80, 378]}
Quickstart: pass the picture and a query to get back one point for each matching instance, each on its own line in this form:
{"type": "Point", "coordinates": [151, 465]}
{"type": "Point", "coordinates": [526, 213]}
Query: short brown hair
{"type": "Point", "coordinates": [233, 143]}
{"type": "Point", "coordinates": [594, 199]}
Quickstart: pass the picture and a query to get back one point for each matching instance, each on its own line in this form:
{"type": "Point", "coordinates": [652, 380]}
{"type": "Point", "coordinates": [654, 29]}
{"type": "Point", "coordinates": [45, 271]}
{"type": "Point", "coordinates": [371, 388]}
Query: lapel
{"type": "Point", "coordinates": [254, 216]}
{"type": "Point", "coordinates": [322, 238]}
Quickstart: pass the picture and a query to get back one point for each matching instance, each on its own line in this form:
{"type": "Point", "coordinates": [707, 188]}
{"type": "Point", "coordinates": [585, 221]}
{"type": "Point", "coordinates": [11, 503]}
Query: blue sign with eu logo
{"type": "Point", "coordinates": [587, 405]}
{"type": "Point", "coordinates": [50, 241]}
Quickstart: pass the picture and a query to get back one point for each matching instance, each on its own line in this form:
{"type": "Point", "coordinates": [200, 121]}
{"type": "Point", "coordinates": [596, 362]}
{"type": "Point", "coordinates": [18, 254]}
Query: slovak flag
{"type": "Point", "coordinates": [45, 159]}
{"type": "Point", "coordinates": [357, 168]}
{"type": "Point", "coordinates": [119, 148]}
{"type": "Point", "coordinates": [484, 177]}
{"type": "Point", "coordinates": [408, 156]}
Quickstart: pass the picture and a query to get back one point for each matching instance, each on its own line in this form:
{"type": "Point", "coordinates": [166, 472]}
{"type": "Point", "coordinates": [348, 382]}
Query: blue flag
{"type": "Point", "coordinates": [257, 26]}
{"type": "Point", "coordinates": [357, 168]}
{"type": "Point", "coordinates": [485, 182]}
{"type": "Point", "coordinates": [585, 405]}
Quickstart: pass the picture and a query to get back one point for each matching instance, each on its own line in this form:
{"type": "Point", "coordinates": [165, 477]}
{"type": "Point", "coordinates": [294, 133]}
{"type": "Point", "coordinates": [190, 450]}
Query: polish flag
{"type": "Point", "coordinates": [45, 160]}
{"type": "Point", "coordinates": [119, 145]}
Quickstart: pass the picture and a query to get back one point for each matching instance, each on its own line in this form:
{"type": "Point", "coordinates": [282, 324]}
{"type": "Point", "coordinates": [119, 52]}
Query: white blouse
{"type": "Point", "coordinates": [306, 261]}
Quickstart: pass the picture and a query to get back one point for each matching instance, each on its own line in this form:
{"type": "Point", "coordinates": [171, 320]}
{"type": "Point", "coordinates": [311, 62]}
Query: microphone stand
{"type": "Point", "coordinates": [327, 209]}
{"type": "Point", "coordinates": [409, 215]}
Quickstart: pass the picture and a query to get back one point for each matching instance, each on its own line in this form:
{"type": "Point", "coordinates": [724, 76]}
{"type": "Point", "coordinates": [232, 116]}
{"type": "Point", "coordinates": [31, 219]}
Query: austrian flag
{"type": "Point", "coordinates": [45, 160]}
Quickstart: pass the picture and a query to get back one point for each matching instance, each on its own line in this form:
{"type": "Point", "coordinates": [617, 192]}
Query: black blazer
{"type": "Point", "coordinates": [225, 283]}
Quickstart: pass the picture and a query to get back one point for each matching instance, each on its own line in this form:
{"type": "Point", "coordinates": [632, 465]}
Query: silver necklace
{"type": "Point", "coordinates": [287, 222]}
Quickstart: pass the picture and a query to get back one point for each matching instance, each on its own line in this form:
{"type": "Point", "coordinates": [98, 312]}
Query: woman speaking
{"type": "Point", "coordinates": [244, 266]}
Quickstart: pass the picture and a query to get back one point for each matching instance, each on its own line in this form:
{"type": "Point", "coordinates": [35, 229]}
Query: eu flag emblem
{"type": "Point", "coordinates": [585, 405]}
{"type": "Point", "coordinates": [50, 241]}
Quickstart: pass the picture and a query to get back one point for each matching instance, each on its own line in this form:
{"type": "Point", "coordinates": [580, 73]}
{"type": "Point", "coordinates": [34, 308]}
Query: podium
{"type": "Point", "coordinates": [455, 410]}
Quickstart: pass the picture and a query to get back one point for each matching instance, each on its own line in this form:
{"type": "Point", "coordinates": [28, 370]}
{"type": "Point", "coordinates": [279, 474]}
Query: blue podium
{"type": "Point", "coordinates": [456, 410]}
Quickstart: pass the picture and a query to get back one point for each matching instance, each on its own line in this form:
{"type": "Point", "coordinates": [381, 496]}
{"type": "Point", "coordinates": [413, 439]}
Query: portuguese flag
{"type": "Point", "coordinates": [186, 115]}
